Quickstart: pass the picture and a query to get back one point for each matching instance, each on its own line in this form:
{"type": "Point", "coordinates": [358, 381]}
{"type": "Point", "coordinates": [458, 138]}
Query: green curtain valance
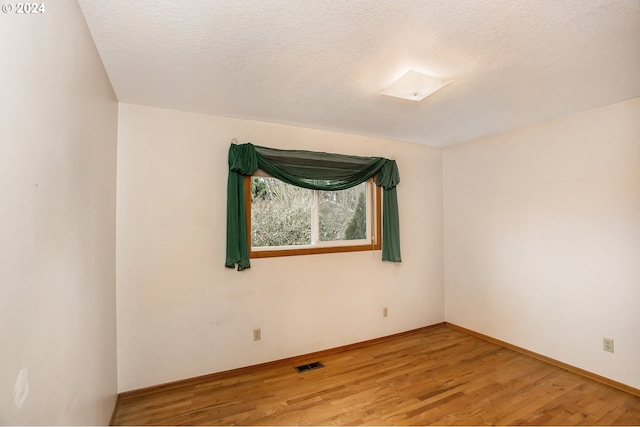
{"type": "Point", "coordinates": [313, 170]}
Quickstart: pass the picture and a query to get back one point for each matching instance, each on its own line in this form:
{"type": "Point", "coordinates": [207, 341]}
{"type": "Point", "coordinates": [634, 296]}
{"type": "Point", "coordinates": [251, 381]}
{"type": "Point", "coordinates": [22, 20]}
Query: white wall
{"type": "Point", "coordinates": [542, 238]}
{"type": "Point", "coordinates": [58, 129]}
{"type": "Point", "coordinates": [181, 313]}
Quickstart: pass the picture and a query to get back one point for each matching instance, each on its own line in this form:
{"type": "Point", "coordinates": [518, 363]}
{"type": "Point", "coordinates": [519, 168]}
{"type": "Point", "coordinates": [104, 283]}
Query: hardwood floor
{"type": "Point", "coordinates": [436, 376]}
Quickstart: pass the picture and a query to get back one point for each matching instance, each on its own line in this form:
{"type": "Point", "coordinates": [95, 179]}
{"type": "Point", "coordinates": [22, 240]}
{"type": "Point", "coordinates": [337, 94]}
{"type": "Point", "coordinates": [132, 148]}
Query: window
{"type": "Point", "coordinates": [283, 219]}
{"type": "Point", "coordinates": [318, 170]}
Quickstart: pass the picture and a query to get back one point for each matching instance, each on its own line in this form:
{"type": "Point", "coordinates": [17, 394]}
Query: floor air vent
{"type": "Point", "coordinates": [309, 367]}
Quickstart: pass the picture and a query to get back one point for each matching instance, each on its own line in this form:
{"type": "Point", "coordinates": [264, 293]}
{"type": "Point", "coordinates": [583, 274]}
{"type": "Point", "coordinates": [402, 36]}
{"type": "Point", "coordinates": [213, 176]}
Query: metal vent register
{"type": "Point", "coordinates": [309, 367]}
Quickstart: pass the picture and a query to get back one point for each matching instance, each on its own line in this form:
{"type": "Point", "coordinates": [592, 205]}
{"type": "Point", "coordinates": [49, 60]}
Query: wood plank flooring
{"type": "Point", "coordinates": [436, 376]}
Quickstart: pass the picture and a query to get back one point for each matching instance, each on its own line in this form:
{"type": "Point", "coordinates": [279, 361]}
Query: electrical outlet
{"type": "Point", "coordinates": [607, 344]}
{"type": "Point", "coordinates": [385, 312]}
{"type": "Point", "coordinates": [257, 334]}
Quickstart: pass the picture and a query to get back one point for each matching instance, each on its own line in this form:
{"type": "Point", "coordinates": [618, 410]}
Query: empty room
{"type": "Point", "coordinates": [287, 212]}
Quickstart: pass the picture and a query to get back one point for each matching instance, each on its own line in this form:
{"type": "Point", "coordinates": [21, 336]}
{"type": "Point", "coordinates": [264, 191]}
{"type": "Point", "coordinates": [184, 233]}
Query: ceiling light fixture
{"type": "Point", "coordinates": [414, 86]}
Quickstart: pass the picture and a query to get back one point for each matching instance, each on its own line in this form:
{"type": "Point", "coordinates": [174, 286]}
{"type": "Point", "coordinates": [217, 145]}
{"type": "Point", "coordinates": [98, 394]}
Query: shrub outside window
{"type": "Point", "coordinates": [283, 219]}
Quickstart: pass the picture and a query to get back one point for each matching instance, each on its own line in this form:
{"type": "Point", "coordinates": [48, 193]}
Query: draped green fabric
{"type": "Point", "coordinates": [313, 170]}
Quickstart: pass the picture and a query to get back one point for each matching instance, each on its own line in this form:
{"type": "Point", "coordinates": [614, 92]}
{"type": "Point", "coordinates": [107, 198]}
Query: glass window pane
{"type": "Point", "coordinates": [343, 214]}
{"type": "Point", "coordinates": [280, 213]}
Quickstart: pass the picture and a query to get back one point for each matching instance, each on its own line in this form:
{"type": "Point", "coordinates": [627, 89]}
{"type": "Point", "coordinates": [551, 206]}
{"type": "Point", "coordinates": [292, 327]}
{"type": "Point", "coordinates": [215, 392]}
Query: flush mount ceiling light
{"type": "Point", "coordinates": [414, 86]}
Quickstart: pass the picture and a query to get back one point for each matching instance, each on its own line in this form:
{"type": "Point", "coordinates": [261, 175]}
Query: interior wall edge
{"type": "Point", "coordinates": [587, 374]}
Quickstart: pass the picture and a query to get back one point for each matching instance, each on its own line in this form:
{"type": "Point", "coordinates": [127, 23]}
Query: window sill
{"type": "Point", "coordinates": [314, 250]}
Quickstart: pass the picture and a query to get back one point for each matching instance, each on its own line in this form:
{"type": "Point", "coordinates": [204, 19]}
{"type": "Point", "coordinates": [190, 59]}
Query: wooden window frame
{"type": "Point", "coordinates": [376, 231]}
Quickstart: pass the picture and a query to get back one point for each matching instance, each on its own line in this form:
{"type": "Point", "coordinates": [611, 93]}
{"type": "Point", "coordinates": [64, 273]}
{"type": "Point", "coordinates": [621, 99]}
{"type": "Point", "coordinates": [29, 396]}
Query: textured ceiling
{"type": "Point", "coordinates": [321, 64]}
